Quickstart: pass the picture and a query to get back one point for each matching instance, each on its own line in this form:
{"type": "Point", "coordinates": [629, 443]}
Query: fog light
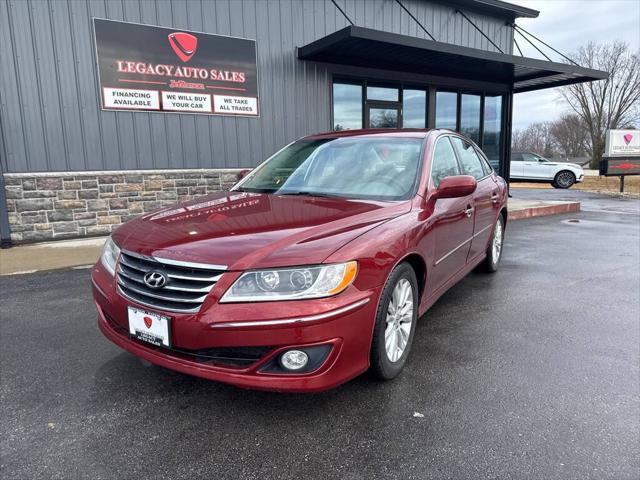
{"type": "Point", "coordinates": [294, 359]}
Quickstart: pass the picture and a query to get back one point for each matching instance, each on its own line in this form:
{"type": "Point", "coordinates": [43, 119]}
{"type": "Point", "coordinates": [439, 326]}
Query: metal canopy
{"type": "Point", "coordinates": [365, 47]}
{"type": "Point", "coordinates": [497, 7]}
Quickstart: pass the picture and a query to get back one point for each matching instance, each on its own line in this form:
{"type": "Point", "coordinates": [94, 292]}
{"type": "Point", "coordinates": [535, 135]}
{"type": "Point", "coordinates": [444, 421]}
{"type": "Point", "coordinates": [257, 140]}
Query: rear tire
{"type": "Point", "coordinates": [564, 179]}
{"type": "Point", "coordinates": [494, 252]}
{"type": "Point", "coordinates": [395, 325]}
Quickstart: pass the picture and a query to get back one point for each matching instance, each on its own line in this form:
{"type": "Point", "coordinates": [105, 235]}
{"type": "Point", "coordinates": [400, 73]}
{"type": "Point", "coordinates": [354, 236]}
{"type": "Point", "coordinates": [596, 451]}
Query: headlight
{"type": "Point", "coordinates": [292, 283]}
{"type": "Point", "coordinates": [109, 256]}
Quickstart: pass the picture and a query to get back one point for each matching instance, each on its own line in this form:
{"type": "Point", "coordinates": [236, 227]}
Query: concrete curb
{"type": "Point", "coordinates": [544, 210]}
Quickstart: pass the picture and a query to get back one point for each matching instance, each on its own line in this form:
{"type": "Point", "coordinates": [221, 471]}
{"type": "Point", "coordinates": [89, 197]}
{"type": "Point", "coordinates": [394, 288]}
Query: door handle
{"type": "Point", "coordinates": [469, 211]}
{"type": "Point", "coordinates": [495, 198]}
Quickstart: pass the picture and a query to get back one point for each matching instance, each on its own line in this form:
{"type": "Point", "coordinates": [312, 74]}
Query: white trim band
{"type": "Point", "coordinates": [289, 321]}
{"type": "Point", "coordinates": [463, 244]}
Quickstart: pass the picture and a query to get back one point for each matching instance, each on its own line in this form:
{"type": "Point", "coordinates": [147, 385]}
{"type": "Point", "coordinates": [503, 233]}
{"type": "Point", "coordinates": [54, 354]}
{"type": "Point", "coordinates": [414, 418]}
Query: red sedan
{"type": "Point", "coordinates": [314, 268]}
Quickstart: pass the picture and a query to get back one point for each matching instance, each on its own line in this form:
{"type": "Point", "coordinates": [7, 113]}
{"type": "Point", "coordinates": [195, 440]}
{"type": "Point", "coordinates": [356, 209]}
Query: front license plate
{"type": "Point", "coordinates": [149, 327]}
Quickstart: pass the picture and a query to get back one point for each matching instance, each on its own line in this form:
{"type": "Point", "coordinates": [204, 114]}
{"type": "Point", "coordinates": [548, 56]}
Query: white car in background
{"type": "Point", "coordinates": [529, 167]}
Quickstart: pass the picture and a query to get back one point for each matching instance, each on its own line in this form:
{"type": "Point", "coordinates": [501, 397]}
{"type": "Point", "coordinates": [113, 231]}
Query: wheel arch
{"type": "Point", "coordinates": [505, 215]}
{"type": "Point", "coordinates": [565, 169]}
{"type": "Point", "coordinates": [419, 266]}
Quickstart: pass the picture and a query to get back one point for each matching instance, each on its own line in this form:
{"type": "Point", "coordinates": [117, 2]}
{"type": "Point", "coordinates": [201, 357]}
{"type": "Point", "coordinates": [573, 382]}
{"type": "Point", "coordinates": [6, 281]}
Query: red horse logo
{"type": "Point", "coordinates": [184, 45]}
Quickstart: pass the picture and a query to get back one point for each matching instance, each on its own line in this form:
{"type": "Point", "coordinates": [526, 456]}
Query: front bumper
{"type": "Point", "coordinates": [343, 323]}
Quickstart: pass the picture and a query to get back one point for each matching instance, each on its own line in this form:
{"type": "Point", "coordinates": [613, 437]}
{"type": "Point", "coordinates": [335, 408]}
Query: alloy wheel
{"type": "Point", "coordinates": [399, 320]}
{"type": "Point", "coordinates": [565, 179]}
{"type": "Point", "coordinates": [497, 242]}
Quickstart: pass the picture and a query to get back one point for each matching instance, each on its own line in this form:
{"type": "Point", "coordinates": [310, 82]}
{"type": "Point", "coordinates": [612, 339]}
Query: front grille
{"type": "Point", "coordinates": [187, 283]}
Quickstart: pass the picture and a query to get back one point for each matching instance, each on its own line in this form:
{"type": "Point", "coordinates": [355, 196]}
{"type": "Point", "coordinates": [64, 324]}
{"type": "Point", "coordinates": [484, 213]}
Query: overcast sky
{"type": "Point", "coordinates": [566, 25]}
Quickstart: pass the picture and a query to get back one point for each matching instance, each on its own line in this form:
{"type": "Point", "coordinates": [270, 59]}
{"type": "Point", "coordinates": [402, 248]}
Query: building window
{"type": "Point", "coordinates": [491, 138]}
{"type": "Point", "coordinates": [446, 110]}
{"type": "Point", "coordinates": [470, 116]}
{"type": "Point", "coordinates": [373, 104]}
{"type": "Point", "coordinates": [414, 108]}
{"type": "Point", "coordinates": [382, 93]}
{"type": "Point", "coordinates": [347, 106]}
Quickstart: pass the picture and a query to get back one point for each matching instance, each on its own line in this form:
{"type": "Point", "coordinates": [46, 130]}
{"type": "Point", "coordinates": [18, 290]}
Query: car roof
{"type": "Point", "coordinates": [386, 132]}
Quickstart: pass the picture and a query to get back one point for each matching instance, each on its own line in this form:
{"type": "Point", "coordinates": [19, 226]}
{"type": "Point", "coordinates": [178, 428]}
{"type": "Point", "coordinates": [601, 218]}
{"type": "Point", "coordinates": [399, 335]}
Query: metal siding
{"type": "Point", "coordinates": [29, 110]}
{"type": "Point", "coordinates": [13, 136]}
{"type": "Point", "coordinates": [49, 97]}
{"type": "Point", "coordinates": [110, 152]}
{"type": "Point", "coordinates": [55, 124]}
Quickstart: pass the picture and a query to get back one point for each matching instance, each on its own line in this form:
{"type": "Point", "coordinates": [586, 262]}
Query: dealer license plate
{"type": "Point", "coordinates": [149, 327]}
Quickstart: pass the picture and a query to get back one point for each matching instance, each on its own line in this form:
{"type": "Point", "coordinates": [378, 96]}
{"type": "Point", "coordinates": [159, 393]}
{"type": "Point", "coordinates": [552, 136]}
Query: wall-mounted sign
{"type": "Point", "coordinates": [622, 143]}
{"type": "Point", "coordinates": [142, 67]}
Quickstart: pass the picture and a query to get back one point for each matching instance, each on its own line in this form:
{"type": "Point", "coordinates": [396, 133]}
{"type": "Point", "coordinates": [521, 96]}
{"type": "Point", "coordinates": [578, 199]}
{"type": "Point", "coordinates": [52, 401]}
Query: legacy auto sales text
{"type": "Point", "coordinates": [164, 70]}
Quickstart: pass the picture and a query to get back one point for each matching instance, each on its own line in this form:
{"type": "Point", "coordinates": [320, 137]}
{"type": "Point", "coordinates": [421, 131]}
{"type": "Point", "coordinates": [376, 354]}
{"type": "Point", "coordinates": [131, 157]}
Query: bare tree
{"type": "Point", "coordinates": [535, 138]}
{"type": "Point", "coordinates": [569, 135]}
{"type": "Point", "coordinates": [610, 103]}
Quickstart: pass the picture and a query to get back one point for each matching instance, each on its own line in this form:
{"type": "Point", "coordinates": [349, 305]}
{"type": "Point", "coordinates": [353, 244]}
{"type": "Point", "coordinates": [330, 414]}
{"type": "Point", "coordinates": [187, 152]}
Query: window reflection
{"type": "Point", "coordinates": [470, 116]}
{"type": "Point", "coordinates": [471, 164]}
{"type": "Point", "coordinates": [414, 108]}
{"type": "Point", "coordinates": [444, 161]}
{"type": "Point", "coordinates": [383, 118]}
{"type": "Point", "coordinates": [446, 110]}
{"type": "Point", "coordinates": [492, 129]}
{"type": "Point", "coordinates": [347, 106]}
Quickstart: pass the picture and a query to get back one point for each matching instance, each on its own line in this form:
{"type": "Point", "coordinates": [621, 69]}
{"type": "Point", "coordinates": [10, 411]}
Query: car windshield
{"type": "Point", "coordinates": [378, 168]}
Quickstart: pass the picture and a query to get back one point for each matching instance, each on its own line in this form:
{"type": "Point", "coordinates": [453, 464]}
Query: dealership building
{"type": "Point", "coordinates": [114, 108]}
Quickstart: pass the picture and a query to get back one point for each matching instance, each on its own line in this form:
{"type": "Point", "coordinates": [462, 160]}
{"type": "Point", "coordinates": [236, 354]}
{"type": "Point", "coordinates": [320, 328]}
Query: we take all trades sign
{"type": "Point", "coordinates": [154, 69]}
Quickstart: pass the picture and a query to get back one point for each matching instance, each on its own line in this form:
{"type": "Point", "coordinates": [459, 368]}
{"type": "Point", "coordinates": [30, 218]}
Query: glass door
{"type": "Point", "coordinates": [383, 107]}
{"type": "Point", "coordinates": [380, 115]}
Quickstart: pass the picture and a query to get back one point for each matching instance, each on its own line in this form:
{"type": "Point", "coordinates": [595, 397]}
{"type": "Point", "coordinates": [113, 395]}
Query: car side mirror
{"type": "Point", "coordinates": [456, 186]}
{"type": "Point", "coordinates": [243, 173]}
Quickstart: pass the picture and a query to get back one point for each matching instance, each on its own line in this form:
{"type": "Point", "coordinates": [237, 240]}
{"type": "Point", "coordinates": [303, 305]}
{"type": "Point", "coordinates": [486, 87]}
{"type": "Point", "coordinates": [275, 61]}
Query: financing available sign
{"type": "Point", "coordinates": [148, 68]}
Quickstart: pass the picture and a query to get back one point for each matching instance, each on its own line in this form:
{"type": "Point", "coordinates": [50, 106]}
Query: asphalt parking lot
{"type": "Point", "coordinates": [529, 373]}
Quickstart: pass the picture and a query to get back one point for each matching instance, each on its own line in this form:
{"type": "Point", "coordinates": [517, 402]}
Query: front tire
{"type": "Point", "coordinates": [395, 325]}
{"type": "Point", "coordinates": [564, 179]}
{"type": "Point", "coordinates": [494, 252]}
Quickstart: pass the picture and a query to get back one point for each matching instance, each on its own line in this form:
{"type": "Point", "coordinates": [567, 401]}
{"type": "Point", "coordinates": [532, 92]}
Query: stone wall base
{"type": "Point", "coordinates": [49, 206]}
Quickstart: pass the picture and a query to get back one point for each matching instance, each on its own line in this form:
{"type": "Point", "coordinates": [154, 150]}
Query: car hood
{"type": "Point", "coordinates": [248, 230]}
{"type": "Point", "coordinates": [574, 165]}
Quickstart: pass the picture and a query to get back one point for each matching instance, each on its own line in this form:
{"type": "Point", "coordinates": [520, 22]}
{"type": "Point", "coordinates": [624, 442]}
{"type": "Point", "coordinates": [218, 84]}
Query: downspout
{"type": "Point", "coordinates": [507, 119]}
{"type": "Point", "coordinates": [5, 230]}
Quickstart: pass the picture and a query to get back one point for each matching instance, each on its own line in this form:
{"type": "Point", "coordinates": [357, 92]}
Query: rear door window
{"type": "Point", "coordinates": [485, 163]}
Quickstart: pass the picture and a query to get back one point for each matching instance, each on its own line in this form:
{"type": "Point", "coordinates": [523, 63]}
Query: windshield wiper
{"type": "Point", "coordinates": [254, 190]}
{"type": "Point", "coordinates": [307, 194]}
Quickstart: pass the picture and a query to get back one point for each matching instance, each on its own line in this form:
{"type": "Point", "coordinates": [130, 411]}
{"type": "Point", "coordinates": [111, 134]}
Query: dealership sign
{"type": "Point", "coordinates": [622, 143]}
{"type": "Point", "coordinates": [622, 154]}
{"type": "Point", "coordinates": [142, 67]}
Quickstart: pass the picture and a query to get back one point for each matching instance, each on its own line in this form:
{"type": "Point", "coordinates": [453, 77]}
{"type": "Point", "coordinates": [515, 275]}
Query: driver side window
{"type": "Point", "coordinates": [444, 162]}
